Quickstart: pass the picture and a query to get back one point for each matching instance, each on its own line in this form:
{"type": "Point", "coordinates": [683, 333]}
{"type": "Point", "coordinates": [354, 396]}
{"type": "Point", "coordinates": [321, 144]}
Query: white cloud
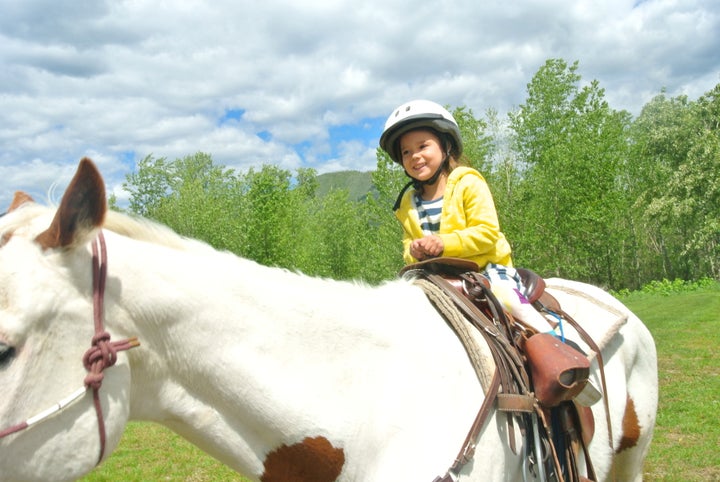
{"type": "Point", "coordinates": [115, 79]}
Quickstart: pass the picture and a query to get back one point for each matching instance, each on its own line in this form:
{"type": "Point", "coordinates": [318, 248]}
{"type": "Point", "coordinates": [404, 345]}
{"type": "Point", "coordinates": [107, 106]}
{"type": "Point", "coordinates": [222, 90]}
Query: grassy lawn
{"type": "Point", "coordinates": [150, 452]}
{"type": "Point", "coordinates": [687, 435]}
{"type": "Point", "coordinates": [686, 328]}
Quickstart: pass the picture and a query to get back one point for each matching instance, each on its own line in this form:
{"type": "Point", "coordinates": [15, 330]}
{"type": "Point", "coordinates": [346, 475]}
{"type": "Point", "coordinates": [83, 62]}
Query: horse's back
{"type": "Point", "coordinates": [630, 363]}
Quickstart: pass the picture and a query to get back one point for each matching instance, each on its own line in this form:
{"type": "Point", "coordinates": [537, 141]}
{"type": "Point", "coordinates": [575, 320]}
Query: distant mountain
{"type": "Point", "coordinates": [357, 183]}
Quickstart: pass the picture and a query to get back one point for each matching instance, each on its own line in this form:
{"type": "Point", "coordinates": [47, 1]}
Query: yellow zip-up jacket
{"type": "Point", "coordinates": [469, 226]}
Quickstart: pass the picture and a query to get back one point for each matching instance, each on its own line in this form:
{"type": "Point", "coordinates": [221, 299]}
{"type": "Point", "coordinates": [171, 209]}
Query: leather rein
{"type": "Point", "coordinates": [509, 373]}
{"type": "Point", "coordinates": [101, 354]}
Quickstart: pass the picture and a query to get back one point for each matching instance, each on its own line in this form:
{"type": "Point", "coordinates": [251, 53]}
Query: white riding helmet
{"type": "Point", "coordinates": [416, 114]}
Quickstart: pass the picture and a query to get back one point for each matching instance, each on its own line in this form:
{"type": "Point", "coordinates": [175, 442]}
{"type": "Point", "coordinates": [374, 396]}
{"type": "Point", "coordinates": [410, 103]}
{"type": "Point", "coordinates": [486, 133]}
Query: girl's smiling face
{"type": "Point", "coordinates": [421, 153]}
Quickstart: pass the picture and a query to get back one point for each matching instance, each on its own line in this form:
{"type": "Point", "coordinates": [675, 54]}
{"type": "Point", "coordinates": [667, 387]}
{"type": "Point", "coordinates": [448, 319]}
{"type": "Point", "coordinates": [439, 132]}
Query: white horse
{"type": "Point", "coordinates": [278, 375]}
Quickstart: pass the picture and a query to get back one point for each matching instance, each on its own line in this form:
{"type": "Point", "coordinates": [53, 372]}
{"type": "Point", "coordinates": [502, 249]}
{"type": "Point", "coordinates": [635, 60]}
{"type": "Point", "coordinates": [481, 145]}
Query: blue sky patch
{"type": "Point", "coordinates": [127, 158]}
{"type": "Point", "coordinates": [231, 115]}
{"type": "Point", "coordinates": [367, 131]}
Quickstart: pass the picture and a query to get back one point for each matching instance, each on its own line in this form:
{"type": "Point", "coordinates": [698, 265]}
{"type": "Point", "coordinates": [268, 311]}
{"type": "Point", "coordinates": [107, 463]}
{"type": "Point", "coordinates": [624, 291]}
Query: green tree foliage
{"type": "Point", "coordinates": [583, 192]}
{"type": "Point", "coordinates": [477, 145]}
{"type": "Point", "coordinates": [388, 179]}
{"type": "Point", "coordinates": [343, 235]}
{"type": "Point", "coordinates": [192, 195]}
{"type": "Point", "coordinates": [703, 186]}
{"type": "Point", "coordinates": [148, 185]}
{"type": "Point", "coordinates": [504, 174]}
{"type": "Point", "coordinates": [676, 160]}
{"type": "Point", "coordinates": [660, 137]}
{"type": "Point", "coordinates": [570, 207]}
{"type": "Point", "coordinates": [269, 216]}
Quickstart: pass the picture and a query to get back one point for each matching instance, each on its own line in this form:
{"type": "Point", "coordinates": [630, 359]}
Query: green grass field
{"type": "Point", "coordinates": [687, 435]}
{"type": "Point", "coordinates": [686, 328]}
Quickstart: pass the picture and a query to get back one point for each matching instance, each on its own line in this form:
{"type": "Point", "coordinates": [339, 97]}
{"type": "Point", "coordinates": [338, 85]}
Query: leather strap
{"type": "Point", "coordinates": [542, 304]}
{"type": "Point", "coordinates": [509, 373]}
{"type": "Point", "coordinates": [467, 452]}
{"type": "Point", "coordinates": [606, 403]}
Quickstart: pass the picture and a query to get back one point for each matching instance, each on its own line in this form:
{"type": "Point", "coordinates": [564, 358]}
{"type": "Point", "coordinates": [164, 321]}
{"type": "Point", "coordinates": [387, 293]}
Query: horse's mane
{"type": "Point", "coordinates": [127, 225]}
{"type": "Point", "coordinates": [143, 229]}
{"type": "Point", "coordinates": [24, 216]}
{"type": "Point", "coordinates": [40, 216]}
{"type": "Point", "coordinates": [146, 230]}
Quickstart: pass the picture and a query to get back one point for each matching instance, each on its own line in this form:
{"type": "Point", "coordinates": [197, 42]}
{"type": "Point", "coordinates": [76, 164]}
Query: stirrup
{"type": "Point", "coordinates": [589, 395]}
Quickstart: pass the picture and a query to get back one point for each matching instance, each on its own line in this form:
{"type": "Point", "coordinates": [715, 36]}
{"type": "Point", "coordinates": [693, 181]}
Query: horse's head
{"type": "Point", "coordinates": [46, 326]}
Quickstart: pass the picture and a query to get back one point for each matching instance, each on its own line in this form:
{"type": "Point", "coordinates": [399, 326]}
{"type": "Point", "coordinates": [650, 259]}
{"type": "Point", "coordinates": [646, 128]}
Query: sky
{"type": "Point", "coordinates": [305, 83]}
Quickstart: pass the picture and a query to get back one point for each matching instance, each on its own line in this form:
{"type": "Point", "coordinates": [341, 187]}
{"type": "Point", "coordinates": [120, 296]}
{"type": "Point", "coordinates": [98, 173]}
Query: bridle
{"type": "Point", "coordinates": [101, 354]}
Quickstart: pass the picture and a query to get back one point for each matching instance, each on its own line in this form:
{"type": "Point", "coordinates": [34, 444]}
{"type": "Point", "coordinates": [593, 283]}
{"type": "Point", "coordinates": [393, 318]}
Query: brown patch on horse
{"type": "Point", "coordinates": [19, 199]}
{"type": "Point", "coordinates": [81, 209]}
{"type": "Point", "coordinates": [312, 460]}
{"type": "Point", "coordinates": [630, 427]}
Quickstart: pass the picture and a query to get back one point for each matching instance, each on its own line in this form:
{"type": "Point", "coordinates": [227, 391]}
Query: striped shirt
{"type": "Point", "coordinates": [429, 213]}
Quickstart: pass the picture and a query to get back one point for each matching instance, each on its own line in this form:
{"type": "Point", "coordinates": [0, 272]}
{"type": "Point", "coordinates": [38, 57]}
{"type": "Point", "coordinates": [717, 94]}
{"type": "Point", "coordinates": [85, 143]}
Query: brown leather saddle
{"type": "Point", "coordinates": [453, 268]}
{"type": "Point", "coordinates": [574, 424]}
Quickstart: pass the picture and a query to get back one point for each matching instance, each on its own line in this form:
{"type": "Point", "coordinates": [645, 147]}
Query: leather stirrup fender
{"type": "Point", "coordinates": [559, 372]}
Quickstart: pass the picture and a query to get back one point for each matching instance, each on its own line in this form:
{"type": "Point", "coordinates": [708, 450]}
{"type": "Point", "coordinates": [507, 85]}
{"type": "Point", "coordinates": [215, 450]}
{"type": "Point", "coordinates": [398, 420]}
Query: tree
{"type": "Point", "coordinates": [268, 216]}
{"type": "Point", "coordinates": [388, 179]}
{"type": "Point", "coordinates": [582, 192]}
{"type": "Point", "coordinates": [477, 145]}
{"type": "Point", "coordinates": [569, 206]}
{"type": "Point", "coordinates": [192, 195]}
{"type": "Point", "coordinates": [677, 160]}
{"type": "Point", "coordinates": [661, 138]}
{"type": "Point", "coordinates": [148, 185]}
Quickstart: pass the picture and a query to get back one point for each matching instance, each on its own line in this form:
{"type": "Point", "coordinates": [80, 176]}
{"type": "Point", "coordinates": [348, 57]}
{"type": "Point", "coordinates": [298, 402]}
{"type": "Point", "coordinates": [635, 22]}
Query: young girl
{"type": "Point", "coordinates": [450, 212]}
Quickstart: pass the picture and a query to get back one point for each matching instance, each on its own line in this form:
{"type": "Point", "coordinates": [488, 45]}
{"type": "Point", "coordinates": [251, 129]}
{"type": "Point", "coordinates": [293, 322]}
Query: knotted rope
{"type": "Point", "coordinates": [102, 352]}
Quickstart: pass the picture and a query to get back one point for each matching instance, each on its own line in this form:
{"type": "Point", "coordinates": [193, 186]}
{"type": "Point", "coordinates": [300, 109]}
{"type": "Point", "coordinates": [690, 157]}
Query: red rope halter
{"type": "Point", "coordinates": [101, 354]}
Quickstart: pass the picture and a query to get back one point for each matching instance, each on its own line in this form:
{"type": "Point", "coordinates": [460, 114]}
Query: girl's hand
{"type": "Point", "coordinates": [427, 247]}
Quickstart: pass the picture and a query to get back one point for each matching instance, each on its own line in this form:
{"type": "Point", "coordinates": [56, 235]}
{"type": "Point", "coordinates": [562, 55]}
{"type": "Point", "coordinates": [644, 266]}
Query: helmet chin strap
{"type": "Point", "coordinates": [418, 184]}
{"type": "Point", "coordinates": [434, 178]}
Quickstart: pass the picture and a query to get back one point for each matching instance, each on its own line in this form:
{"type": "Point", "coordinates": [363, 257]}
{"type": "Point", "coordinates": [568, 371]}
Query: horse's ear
{"type": "Point", "coordinates": [81, 210]}
{"type": "Point", "coordinates": [19, 199]}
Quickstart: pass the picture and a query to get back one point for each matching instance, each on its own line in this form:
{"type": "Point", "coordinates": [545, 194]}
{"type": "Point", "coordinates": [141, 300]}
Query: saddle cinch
{"type": "Point", "coordinates": [557, 371]}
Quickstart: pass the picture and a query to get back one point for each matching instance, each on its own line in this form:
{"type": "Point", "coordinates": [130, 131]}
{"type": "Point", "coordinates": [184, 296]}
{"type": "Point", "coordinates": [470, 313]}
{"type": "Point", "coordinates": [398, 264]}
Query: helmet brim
{"type": "Point", "coordinates": [436, 122]}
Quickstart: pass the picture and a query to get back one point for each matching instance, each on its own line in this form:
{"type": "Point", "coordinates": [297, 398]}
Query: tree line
{"type": "Point", "coordinates": [583, 191]}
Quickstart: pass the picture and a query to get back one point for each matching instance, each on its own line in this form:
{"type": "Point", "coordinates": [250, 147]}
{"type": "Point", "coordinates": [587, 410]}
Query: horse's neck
{"type": "Point", "coordinates": [241, 359]}
{"type": "Point", "coordinates": [235, 351]}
